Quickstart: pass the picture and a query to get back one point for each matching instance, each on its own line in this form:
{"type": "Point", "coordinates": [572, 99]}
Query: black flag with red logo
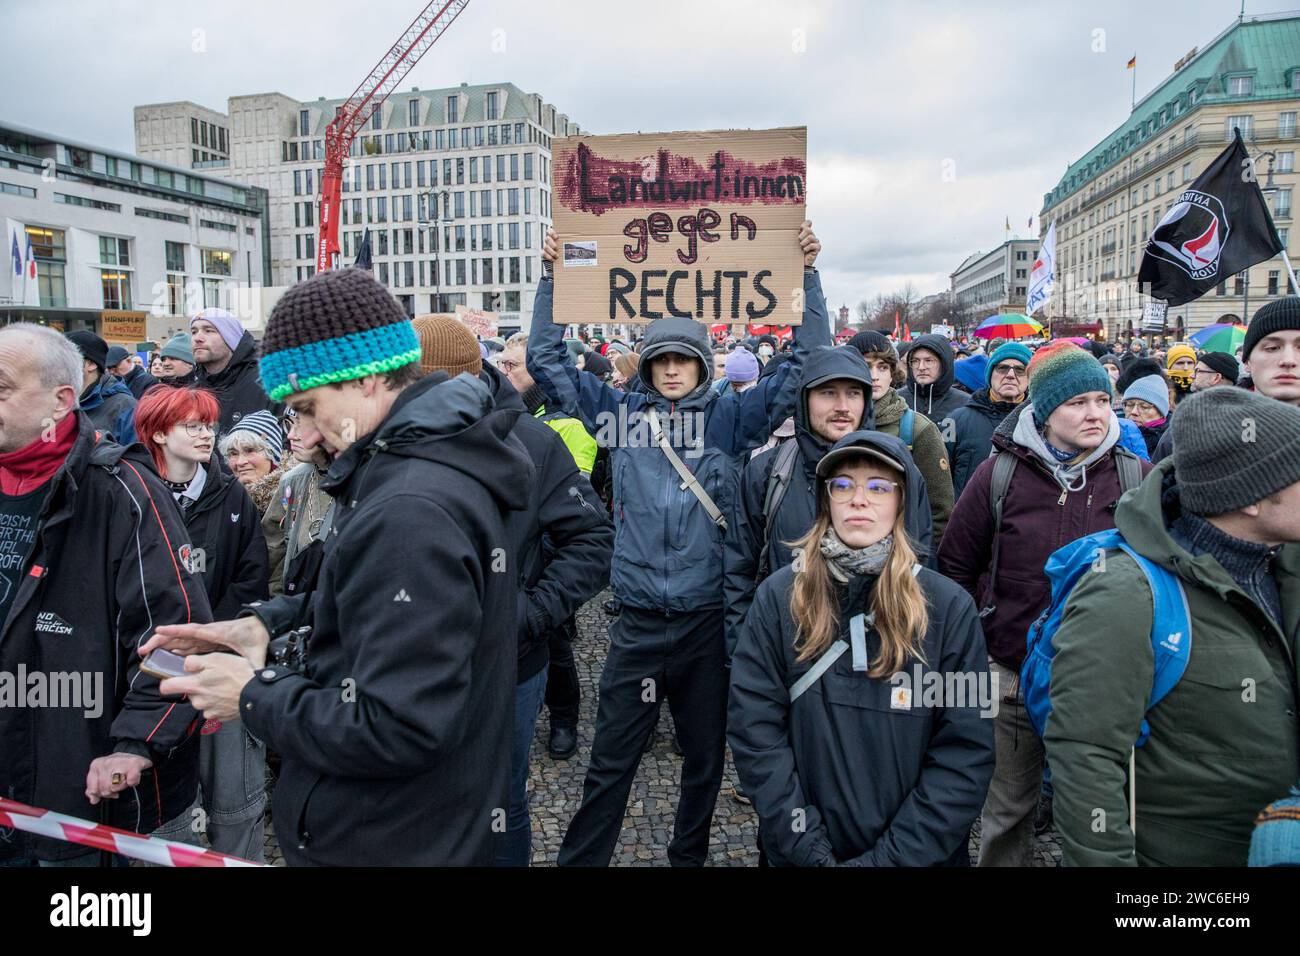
{"type": "Point", "coordinates": [1218, 227]}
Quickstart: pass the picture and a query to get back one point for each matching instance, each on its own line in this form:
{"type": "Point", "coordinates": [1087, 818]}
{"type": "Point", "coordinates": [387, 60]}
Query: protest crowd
{"type": "Point", "coordinates": [904, 586]}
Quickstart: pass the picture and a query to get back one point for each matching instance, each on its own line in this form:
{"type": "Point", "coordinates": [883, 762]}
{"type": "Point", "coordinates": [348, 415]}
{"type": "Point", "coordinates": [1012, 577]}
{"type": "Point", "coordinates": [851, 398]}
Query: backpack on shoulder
{"type": "Point", "coordinates": [1171, 631]}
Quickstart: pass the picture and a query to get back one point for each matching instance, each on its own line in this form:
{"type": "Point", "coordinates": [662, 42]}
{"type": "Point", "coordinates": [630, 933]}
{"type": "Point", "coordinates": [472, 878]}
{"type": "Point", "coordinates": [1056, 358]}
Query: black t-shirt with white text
{"type": "Point", "coordinates": [18, 521]}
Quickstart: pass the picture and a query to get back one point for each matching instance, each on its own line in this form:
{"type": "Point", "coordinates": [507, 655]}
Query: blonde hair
{"type": "Point", "coordinates": [897, 601]}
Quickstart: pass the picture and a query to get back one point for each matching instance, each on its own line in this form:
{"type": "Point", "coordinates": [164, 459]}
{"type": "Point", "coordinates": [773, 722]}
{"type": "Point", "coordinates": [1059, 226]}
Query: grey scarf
{"type": "Point", "coordinates": [846, 562]}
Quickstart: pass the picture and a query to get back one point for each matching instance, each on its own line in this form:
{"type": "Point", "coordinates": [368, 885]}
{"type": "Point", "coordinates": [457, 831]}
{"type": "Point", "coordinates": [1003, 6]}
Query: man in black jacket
{"type": "Point", "coordinates": [227, 364]}
{"type": "Point", "coordinates": [930, 376]}
{"type": "Point", "coordinates": [566, 540]}
{"type": "Point", "coordinates": [91, 558]}
{"type": "Point", "coordinates": [971, 438]}
{"type": "Point", "coordinates": [122, 364]}
{"type": "Point", "coordinates": [394, 733]}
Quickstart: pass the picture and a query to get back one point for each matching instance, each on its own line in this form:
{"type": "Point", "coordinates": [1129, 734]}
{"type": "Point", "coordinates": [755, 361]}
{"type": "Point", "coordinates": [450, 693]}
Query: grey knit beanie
{"type": "Point", "coordinates": [1233, 448]}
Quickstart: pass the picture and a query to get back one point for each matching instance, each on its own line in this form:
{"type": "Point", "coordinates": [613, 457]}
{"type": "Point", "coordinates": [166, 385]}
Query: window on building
{"type": "Point", "coordinates": [1241, 85]}
{"type": "Point", "coordinates": [1239, 283]}
{"type": "Point", "coordinates": [1286, 162]}
{"type": "Point", "coordinates": [519, 132]}
{"type": "Point", "coordinates": [453, 110]}
{"type": "Point", "coordinates": [513, 195]}
{"type": "Point", "coordinates": [514, 235]}
{"type": "Point", "coordinates": [514, 167]}
{"type": "Point", "coordinates": [491, 135]}
{"type": "Point", "coordinates": [501, 168]}
{"type": "Point", "coordinates": [1244, 122]}
{"type": "Point", "coordinates": [485, 202]}
{"type": "Point", "coordinates": [505, 134]}
{"type": "Point", "coordinates": [116, 285]}
{"type": "Point", "coordinates": [460, 205]}
{"type": "Point", "coordinates": [528, 200]}
{"type": "Point", "coordinates": [478, 135]}
{"type": "Point", "coordinates": [419, 175]}
{"type": "Point", "coordinates": [1285, 125]}
{"type": "Point", "coordinates": [492, 106]}
{"type": "Point", "coordinates": [1272, 281]}
{"type": "Point", "coordinates": [528, 166]}
{"type": "Point", "coordinates": [413, 113]}
{"type": "Point", "coordinates": [216, 262]}
{"type": "Point", "coordinates": [1282, 203]}
{"type": "Point", "coordinates": [473, 169]}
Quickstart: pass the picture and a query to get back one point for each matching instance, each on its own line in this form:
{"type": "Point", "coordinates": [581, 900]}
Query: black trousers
{"type": "Point", "coordinates": [563, 695]}
{"type": "Point", "coordinates": [653, 656]}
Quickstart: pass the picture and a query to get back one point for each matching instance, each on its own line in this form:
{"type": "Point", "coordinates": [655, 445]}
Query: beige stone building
{"type": "Point", "coordinates": [1108, 202]}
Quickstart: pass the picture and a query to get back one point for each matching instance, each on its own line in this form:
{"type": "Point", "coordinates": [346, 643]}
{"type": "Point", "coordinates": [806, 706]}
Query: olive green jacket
{"type": "Point", "coordinates": [928, 451]}
{"type": "Point", "coordinates": [1223, 743]}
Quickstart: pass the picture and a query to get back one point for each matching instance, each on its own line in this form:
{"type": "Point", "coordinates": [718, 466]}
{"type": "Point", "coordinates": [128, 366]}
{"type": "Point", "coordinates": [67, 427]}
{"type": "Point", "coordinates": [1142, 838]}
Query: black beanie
{"type": "Point", "coordinates": [1136, 369]}
{"type": "Point", "coordinates": [1278, 316]}
{"type": "Point", "coordinates": [92, 347]}
{"type": "Point", "coordinates": [1223, 363]}
{"type": "Point", "coordinates": [596, 364]}
{"type": "Point", "coordinates": [871, 341]}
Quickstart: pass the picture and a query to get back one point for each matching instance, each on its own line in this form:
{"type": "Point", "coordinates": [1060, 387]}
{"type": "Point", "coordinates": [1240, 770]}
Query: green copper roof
{"type": "Point", "coordinates": [1265, 48]}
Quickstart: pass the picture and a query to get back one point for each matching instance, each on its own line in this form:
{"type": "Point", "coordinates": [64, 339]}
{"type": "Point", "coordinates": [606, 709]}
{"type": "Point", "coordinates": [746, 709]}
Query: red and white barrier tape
{"type": "Point", "coordinates": [60, 826]}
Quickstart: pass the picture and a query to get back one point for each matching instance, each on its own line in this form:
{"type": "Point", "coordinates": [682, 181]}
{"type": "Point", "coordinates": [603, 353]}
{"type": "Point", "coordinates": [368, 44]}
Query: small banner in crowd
{"type": "Point", "coordinates": [695, 225]}
{"type": "Point", "coordinates": [483, 324]}
{"type": "Point", "coordinates": [1218, 227]}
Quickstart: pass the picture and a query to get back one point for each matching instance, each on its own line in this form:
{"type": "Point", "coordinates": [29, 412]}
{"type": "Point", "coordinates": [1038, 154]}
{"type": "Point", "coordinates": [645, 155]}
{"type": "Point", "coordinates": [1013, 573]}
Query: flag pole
{"type": "Point", "coordinates": [1134, 98]}
{"type": "Point", "coordinates": [1286, 261]}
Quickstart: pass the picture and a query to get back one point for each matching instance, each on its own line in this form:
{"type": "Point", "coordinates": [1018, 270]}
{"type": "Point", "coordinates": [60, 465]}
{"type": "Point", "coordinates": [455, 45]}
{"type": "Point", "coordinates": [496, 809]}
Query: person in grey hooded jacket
{"type": "Point", "coordinates": [667, 551]}
{"type": "Point", "coordinates": [860, 762]}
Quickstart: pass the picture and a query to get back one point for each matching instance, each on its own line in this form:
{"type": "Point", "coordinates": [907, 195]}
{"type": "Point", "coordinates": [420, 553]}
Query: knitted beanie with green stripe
{"type": "Point", "coordinates": [334, 327]}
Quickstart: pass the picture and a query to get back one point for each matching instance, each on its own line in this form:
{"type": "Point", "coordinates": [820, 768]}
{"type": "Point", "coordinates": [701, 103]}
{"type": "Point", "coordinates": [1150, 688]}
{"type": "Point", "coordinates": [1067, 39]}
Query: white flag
{"type": "Point", "coordinates": [1043, 276]}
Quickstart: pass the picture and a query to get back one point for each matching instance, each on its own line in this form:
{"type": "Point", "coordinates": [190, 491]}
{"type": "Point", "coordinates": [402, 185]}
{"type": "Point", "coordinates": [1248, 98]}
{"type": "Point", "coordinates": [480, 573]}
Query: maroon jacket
{"type": "Point", "coordinates": [1033, 526]}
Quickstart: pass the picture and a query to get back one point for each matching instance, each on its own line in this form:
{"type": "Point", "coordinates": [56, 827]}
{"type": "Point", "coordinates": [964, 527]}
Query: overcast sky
{"type": "Point", "coordinates": [1003, 95]}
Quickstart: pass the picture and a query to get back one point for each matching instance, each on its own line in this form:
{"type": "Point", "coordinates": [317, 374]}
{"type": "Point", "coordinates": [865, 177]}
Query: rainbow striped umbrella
{"type": "Point", "coordinates": [1008, 325]}
{"type": "Point", "coordinates": [1224, 337]}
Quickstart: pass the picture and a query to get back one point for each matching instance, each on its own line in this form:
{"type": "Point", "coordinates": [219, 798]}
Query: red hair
{"type": "Point", "coordinates": [164, 406]}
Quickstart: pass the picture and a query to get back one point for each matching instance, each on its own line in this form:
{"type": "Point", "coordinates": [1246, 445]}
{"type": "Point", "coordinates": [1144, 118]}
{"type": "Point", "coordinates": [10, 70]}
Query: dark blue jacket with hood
{"type": "Point", "coordinates": [872, 779]}
{"type": "Point", "coordinates": [667, 550]}
{"type": "Point", "coordinates": [939, 399]}
{"type": "Point", "coordinates": [748, 530]}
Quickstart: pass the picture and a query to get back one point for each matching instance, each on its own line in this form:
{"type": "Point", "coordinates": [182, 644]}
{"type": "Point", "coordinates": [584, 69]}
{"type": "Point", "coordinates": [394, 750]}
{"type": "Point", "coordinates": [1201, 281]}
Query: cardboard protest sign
{"type": "Point", "coordinates": [696, 225]}
{"type": "Point", "coordinates": [482, 324]}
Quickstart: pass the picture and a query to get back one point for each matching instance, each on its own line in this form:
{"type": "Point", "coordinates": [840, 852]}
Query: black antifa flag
{"type": "Point", "coordinates": [1218, 227]}
{"type": "Point", "coordinates": [363, 254]}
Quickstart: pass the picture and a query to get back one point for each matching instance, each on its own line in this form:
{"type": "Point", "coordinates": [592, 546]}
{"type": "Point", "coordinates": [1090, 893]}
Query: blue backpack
{"type": "Point", "coordinates": [1171, 629]}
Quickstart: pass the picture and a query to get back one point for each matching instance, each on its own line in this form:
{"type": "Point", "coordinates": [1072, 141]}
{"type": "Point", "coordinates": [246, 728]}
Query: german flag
{"type": "Point", "coordinates": [1132, 64]}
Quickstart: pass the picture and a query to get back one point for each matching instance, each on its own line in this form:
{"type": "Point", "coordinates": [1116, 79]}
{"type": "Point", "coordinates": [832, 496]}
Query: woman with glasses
{"type": "Point", "coordinates": [298, 516]}
{"type": "Point", "coordinates": [841, 728]}
{"type": "Point", "coordinates": [226, 549]}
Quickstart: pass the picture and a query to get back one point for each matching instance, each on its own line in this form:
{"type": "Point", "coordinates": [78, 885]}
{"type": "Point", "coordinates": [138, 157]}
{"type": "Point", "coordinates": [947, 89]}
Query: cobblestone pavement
{"type": "Point", "coordinates": [555, 786]}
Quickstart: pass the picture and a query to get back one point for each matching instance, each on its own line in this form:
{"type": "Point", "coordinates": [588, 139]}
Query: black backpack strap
{"type": "Point", "coordinates": [1004, 467]}
{"type": "Point", "coordinates": [778, 481]}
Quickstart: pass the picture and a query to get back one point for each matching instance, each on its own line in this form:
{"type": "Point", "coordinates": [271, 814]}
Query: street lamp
{"type": "Point", "coordinates": [429, 217]}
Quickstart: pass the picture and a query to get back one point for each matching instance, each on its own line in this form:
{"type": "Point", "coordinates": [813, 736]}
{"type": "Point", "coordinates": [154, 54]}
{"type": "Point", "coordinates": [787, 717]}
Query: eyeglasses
{"type": "Point", "coordinates": [1206, 371]}
{"type": "Point", "coordinates": [921, 361]}
{"type": "Point", "coordinates": [842, 489]}
{"type": "Point", "coordinates": [507, 366]}
{"type": "Point", "coordinates": [1008, 369]}
{"type": "Point", "coordinates": [195, 429]}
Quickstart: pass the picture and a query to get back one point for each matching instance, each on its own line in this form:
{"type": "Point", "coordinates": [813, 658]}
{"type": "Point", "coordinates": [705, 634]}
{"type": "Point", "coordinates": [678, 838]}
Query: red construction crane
{"type": "Point", "coordinates": [353, 115]}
